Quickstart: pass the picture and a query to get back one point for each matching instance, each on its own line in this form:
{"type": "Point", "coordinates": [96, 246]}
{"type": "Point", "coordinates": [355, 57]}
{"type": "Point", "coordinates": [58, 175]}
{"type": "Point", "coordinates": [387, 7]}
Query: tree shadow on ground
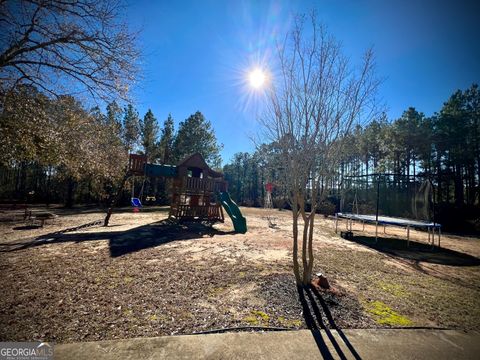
{"type": "Point", "coordinates": [27, 227]}
{"type": "Point", "coordinates": [93, 209]}
{"type": "Point", "coordinates": [124, 242]}
{"type": "Point", "coordinates": [313, 306]}
{"type": "Point", "coordinates": [417, 251]}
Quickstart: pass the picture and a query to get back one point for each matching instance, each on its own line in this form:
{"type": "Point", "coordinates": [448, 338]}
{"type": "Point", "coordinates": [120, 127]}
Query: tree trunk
{"type": "Point", "coordinates": [47, 192]}
{"type": "Point", "coordinates": [306, 221]}
{"type": "Point", "coordinates": [366, 171]}
{"type": "Point", "coordinates": [114, 200]}
{"type": "Point", "coordinates": [295, 214]}
{"type": "Point", "coordinates": [458, 182]}
{"type": "Point", "coordinates": [311, 257]}
{"type": "Point", "coordinates": [70, 193]}
{"type": "Point", "coordinates": [439, 180]}
{"type": "Point", "coordinates": [22, 193]}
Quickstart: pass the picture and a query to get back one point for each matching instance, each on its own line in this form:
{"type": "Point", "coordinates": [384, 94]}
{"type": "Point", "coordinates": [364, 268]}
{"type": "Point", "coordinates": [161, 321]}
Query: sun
{"type": "Point", "coordinates": [257, 78]}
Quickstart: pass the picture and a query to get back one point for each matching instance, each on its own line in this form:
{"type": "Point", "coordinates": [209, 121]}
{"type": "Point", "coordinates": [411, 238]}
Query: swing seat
{"type": "Point", "coordinates": [136, 202]}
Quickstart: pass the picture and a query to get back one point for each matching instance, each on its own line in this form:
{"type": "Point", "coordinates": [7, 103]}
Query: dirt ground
{"type": "Point", "coordinates": [74, 280]}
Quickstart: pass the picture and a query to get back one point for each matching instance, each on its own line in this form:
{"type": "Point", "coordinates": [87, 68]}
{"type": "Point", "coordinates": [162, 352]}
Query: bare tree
{"type": "Point", "coordinates": [66, 47]}
{"type": "Point", "coordinates": [312, 105]}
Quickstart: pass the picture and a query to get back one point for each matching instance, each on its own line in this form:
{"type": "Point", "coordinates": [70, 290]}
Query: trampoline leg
{"type": "Point", "coordinates": [439, 235]}
{"type": "Point", "coordinates": [384, 229]}
{"type": "Point", "coordinates": [376, 231]}
{"type": "Point", "coordinates": [336, 223]}
{"type": "Point", "coordinates": [408, 235]}
{"type": "Point", "coordinates": [363, 223]}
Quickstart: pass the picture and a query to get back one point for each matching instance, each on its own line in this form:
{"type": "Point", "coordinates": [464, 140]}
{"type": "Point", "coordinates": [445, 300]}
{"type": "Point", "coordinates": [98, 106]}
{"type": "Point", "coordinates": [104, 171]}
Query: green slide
{"type": "Point", "coordinates": [239, 222]}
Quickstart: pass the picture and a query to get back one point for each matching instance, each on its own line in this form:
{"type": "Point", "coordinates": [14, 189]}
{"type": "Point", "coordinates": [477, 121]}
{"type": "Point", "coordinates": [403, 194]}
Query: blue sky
{"type": "Point", "coordinates": [197, 53]}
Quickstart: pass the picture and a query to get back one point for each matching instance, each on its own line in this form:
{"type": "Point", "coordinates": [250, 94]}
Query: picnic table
{"type": "Point", "coordinates": [42, 217]}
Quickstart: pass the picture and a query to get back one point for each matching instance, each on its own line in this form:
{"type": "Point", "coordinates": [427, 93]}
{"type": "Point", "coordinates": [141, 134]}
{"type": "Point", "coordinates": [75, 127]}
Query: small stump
{"type": "Point", "coordinates": [321, 282]}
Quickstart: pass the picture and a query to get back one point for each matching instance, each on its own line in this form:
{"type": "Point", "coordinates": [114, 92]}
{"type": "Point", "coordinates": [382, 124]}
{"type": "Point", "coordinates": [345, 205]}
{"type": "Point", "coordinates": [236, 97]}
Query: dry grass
{"type": "Point", "coordinates": [143, 277]}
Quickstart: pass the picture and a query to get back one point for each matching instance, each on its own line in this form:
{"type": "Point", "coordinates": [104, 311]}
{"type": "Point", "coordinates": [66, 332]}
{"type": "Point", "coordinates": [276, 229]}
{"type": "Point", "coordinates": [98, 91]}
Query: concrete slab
{"type": "Point", "coordinates": [414, 344]}
{"type": "Point", "coordinates": [302, 344]}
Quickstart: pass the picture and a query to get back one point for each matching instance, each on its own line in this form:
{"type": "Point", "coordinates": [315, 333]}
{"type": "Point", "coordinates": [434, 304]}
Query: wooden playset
{"type": "Point", "coordinates": [198, 192]}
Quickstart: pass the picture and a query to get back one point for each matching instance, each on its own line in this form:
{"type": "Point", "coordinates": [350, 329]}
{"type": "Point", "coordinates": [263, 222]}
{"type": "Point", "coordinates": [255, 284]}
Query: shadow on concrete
{"type": "Point", "coordinates": [417, 251]}
{"type": "Point", "coordinates": [313, 306]}
{"type": "Point", "coordinates": [124, 242]}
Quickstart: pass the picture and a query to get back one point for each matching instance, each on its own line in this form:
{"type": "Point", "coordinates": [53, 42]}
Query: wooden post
{"type": "Point", "coordinates": [408, 235]}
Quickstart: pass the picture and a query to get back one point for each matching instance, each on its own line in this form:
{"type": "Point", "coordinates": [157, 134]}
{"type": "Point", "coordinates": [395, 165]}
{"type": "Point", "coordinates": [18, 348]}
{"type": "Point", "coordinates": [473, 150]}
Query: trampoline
{"type": "Point", "coordinates": [392, 199]}
{"type": "Point", "coordinates": [431, 227]}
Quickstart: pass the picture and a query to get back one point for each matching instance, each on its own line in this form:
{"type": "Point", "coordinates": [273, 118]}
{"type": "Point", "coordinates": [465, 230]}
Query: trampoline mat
{"type": "Point", "coordinates": [388, 220]}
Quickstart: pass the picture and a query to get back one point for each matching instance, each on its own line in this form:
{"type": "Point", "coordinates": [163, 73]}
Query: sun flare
{"type": "Point", "coordinates": [257, 78]}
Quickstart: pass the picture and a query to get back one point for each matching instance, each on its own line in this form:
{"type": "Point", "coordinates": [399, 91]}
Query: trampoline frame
{"type": "Point", "coordinates": [394, 221]}
{"type": "Point", "coordinates": [390, 220]}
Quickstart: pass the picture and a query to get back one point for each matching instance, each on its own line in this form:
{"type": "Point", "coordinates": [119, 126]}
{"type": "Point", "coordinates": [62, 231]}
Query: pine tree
{"type": "Point", "coordinates": [149, 133]}
{"type": "Point", "coordinates": [166, 141]}
{"type": "Point", "coordinates": [114, 117]}
{"type": "Point", "coordinates": [196, 134]}
{"type": "Point", "coordinates": [131, 126]}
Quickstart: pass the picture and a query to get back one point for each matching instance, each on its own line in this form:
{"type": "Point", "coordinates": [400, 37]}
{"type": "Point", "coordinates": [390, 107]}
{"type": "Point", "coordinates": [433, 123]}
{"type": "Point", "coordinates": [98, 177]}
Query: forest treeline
{"type": "Point", "coordinates": [444, 148]}
{"type": "Point", "coordinates": [55, 150]}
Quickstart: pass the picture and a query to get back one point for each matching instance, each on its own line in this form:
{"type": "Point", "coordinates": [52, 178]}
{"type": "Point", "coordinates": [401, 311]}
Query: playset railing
{"type": "Point", "coordinates": [136, 164]}
{"type": "Point", "coordinates": [198, 211]}
{"type": "Point", "coordinates": [191, 184]}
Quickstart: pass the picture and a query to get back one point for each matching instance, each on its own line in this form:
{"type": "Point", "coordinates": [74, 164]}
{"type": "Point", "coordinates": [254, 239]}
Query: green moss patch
{"type": "Point", "coordinates": [384, 315]}
{"type": "Point", "coordinates": [257, 318]}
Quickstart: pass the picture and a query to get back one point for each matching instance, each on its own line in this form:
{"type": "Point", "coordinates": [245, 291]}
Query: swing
{"type": "Point", "coordinates": [136, 203]}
